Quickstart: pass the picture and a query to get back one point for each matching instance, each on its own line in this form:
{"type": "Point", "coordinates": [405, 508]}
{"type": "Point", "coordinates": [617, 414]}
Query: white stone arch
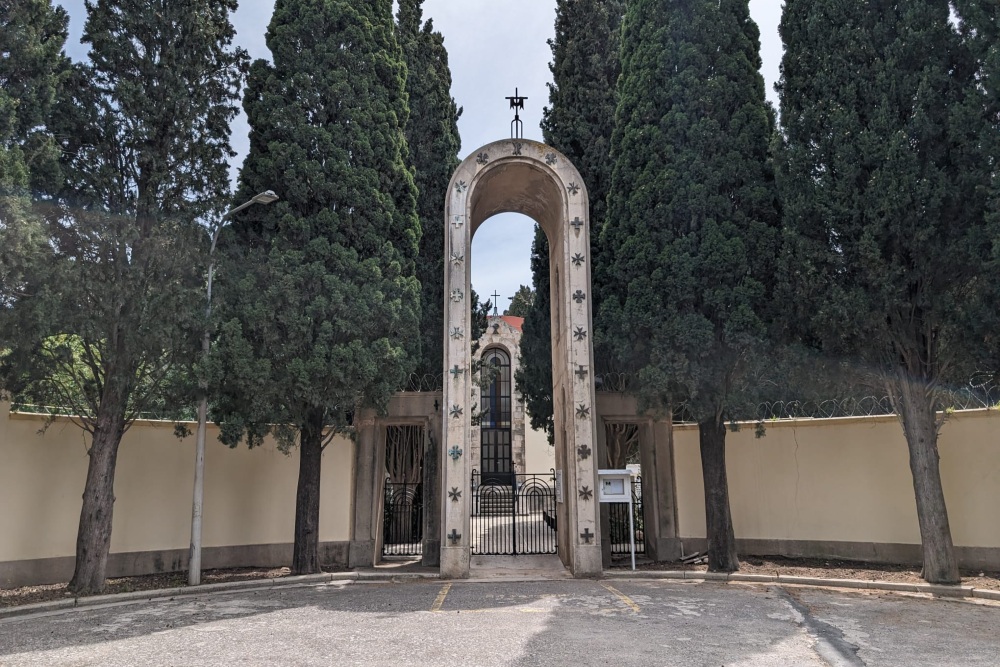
{"type": "Point", "coordinates": [523, 176]}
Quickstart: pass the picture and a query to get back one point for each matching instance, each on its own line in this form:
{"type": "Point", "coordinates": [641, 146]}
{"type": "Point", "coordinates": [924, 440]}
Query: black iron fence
{"type": "Point", "coordinates": [618, 515]}
{"type": "Point", "coordinates": [515, 516]}
{"type": "Point", "coordinates": [403, 520]}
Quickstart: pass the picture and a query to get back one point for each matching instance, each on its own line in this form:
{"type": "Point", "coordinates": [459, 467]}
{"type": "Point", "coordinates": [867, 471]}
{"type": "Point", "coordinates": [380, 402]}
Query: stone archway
{"type": "Point", "coordinates": [523, 176]}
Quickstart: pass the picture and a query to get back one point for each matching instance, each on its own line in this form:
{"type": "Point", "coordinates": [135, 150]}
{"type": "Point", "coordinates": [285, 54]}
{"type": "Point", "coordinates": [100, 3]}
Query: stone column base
{"type": "Point", "coordinates": [361, 554]}
{"type": "Point", "coordinates": [431, 553]}
{"type": "Point", "coordinates": [587, 561]}
{"type": "Point", "coordinates": [455, 562]}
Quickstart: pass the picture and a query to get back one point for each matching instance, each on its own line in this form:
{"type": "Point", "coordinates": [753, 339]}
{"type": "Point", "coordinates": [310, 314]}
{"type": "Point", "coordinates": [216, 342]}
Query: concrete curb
{"type": "Point", "coordinates": [936, 590]}
{"type": "Point", "coordinates": [246, 584]}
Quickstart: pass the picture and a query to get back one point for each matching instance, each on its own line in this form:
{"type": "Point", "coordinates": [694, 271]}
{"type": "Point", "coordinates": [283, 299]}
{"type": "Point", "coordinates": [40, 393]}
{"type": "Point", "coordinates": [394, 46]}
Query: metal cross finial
{"type": "Point", "coordinates": [516, 126]}
{"type": "Point", "coordinates": [496, 300]}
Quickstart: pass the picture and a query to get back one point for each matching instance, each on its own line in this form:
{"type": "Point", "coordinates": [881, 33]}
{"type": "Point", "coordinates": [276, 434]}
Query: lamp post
{"type": "Point", "coordinates": [194, 560]}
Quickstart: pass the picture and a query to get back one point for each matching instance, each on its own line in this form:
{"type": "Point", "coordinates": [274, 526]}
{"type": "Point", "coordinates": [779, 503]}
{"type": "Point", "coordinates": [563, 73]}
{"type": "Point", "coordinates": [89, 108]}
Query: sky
{"type": "Point", "coordinates": [493, 47]}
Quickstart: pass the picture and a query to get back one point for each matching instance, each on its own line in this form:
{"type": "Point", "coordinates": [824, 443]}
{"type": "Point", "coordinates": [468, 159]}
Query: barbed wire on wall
{"type": "Point", "coordinates": [972, 397]}
{"type": "Point", "coordinates": [62, 411]}
{"type": "Point", "coordinates": [613, 382]}
{"type": "Point", "coordinates": [982, 391]}
{"type": "Point", "coordinates": [424, 382]}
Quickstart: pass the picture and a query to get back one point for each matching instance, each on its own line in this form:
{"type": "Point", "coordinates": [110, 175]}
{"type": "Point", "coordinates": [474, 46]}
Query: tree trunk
{"type": "Point", "coordinates": [93, 537]}
{"type": "Point", "coordinates": [305, 556]}
{"type": "Point", "coordinates": [718, 519]}
{"type": "Point", "coordinates": [917, 415]}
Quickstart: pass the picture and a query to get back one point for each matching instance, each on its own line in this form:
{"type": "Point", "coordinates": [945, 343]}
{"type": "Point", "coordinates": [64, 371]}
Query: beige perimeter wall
{"type": "Point", "coordinates": [845, 480]}
{"type": "Point", "coordinates": [809, 487]}
{"type": "Point", "coordinates": [249, 495]}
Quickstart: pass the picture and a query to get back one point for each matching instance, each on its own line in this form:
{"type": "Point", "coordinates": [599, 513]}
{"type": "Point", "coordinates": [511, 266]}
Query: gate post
{"type": "Point", "coordinates": [432, 491]}
{"type": "Point", "coordinates": [367, 485]}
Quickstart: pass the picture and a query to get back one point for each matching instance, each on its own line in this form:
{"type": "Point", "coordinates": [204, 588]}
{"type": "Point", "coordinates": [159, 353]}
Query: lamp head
{"type": "Point", "coordinates": [265, 197]}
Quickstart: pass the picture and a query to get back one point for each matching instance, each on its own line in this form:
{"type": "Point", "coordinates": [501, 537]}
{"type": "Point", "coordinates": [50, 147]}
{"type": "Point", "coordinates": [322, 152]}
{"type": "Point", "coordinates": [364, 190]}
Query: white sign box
{"type": "Point", "coordinates": [615, 486]}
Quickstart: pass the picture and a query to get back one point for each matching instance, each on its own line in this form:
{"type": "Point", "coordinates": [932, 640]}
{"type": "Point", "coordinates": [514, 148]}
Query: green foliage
{"type": "Point", "coordinates": [319, 304]}
{"type": "Point", "coordinates": [884, 179]}
{"type": "Point", "coordinates": [884, 169]}
{"type": "Point", "coordinates": [578, 122]}
{"type": "Point", "coordinates": [480, 311]}
{"type": "Point", "coordinates": [143, 133]}
{"type": "Point", "coordinates": [980, 29]}
{"type": "Point", "coordinates": [432, 136]}
{"type": "Point", "coordinates": [521, 302]}
{"type": "Point", "coordinates": [32, 65]}
{"type": "Point", "coordinates": [692, 216]}
{"type": "Point", "coordinates": [534, 376]}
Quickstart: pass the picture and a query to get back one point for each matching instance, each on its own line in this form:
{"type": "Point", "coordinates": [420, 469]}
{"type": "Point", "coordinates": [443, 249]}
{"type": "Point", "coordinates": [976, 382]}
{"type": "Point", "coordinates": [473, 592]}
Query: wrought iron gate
{"type": "Point", "coordinates": [513, 517]}
{"type": "Point", "coordinates": [402, 519]}
{"type": "Point", "coordinates": [618, 514]}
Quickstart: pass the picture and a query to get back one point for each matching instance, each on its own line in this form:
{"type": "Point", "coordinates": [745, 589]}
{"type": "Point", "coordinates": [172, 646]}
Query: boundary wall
{"type": "Point", "coordinates": [833, 488]}
{"type": "Point", "coordinates": [841, 488]}
{"type": "Point", "coordinates": [249, 505]}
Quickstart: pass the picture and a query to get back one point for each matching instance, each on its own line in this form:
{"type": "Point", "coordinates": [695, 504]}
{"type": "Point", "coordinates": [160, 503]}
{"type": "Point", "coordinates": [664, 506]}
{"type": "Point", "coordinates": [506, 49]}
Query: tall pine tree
{"type": "Point", "coordinates": [881, 175]}
{"type": "Point", "coordinates": [104, 325]}
{"type": "Point", "coordinates": [980, 28]}
{"type": "Point", "coordinates": [32, 66]}
{"type": "Point", "coordinates": [319, 298]}
{"type": "Point", "coordinates": [692, 222]}
{"type": "Point", "coordinates": [579, 122]}
{"type": "Point", "coordinates": [432, 136]}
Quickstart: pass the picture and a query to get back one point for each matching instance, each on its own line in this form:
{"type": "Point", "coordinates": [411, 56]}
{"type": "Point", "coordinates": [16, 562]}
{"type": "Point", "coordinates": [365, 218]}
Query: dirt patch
{"type": "Point", "coordinates": [11, 597]}
{"type": "Point", "coordinates": [829, 569]}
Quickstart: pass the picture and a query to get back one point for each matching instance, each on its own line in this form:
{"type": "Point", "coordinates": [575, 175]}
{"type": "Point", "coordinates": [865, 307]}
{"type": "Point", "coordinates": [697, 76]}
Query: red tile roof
{"type": "Point", "coordinates": [516, 322]}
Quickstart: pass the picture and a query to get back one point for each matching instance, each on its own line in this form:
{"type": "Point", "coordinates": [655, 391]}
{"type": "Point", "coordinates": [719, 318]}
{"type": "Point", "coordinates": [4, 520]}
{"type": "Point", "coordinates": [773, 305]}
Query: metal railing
{"type": "Point", "coordinates": [514, 516]}
{"type": "Point", "coordinates": [402, 519]}
{"type": "Point", "coordinates": [618, 518]}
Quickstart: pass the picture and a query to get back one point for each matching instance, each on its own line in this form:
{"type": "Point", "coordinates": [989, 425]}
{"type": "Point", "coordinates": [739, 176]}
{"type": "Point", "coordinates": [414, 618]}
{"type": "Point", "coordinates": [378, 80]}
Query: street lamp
{"type": "Point", "coordinates": [194, 559]}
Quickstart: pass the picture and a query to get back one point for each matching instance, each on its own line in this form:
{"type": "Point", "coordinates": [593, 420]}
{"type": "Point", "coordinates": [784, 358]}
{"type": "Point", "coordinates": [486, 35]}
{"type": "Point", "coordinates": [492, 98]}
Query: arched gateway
{"type": "Point", "coordinates": [522, 176]}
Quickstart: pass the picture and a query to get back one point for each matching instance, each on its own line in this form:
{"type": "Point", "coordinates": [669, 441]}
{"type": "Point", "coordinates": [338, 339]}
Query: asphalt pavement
{"type": "Point", "coordinates": [630, 623]}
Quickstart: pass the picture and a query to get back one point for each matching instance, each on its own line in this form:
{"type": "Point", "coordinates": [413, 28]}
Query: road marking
{"type": "Point", "coordinates": [621, 596]}
{"type": "Point", "coordinates": [439, 600]}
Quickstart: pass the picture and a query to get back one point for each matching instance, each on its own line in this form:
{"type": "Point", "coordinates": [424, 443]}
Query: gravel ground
{"type": "Point", "coordinates": [829, 569]}
{"type": "Point", "coordinates": [11, 597]}
{"type": "Point", "coordinates": [800, 567]}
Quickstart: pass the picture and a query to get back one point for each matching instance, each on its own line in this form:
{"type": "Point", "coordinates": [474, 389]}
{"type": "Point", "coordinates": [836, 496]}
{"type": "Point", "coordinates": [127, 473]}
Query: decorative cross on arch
{"type": "Point", "coordinates": [517, 104]}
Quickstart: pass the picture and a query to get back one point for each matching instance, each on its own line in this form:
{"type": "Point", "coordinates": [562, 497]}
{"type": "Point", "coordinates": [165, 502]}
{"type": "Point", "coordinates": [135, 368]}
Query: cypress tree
{"type": "Point", "coordinates": [432, 136]}
{"type": "Point", "coordinates": [32, 66]}
{"type": "Point", "coordinates": [521, 302]}
{"type": "Point", "coordinates": [980, 29]}
{"type": "Point", "coordinates": [319, 296]}
{"type": "Point", "coordinates": [692, 221]}
{"type": "Point", "coordinates": [534, 375]}
{"type": "Point", "coordinates": [106, 323]}
{"type": "Point", "coordinates": [881, 175]}
{"type": "Point", "coordinates": [579, 122]}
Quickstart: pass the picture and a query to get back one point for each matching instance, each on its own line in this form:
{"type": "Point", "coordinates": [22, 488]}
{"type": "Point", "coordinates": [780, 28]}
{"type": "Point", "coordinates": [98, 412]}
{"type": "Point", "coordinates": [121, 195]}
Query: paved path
{"type": "Point", "coordinates": [615, 622]}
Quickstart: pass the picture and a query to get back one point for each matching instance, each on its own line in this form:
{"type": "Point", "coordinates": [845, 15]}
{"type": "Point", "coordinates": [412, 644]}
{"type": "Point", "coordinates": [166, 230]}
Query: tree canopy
{"type": "Point", "coordinates": [520, 303]}
{"type": "Point", "coordinates": [692, 222]}
{"type": "Point", "coordinates": [320, 304]}
{"type": "Point", "coordinates": [432, 137]}
{"type": "Point", "coordinates": [884, 184]}
{"type": "Point", "coordinates": [105, 322]}
{"type": "Point", "coordinates": [578, 122]}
